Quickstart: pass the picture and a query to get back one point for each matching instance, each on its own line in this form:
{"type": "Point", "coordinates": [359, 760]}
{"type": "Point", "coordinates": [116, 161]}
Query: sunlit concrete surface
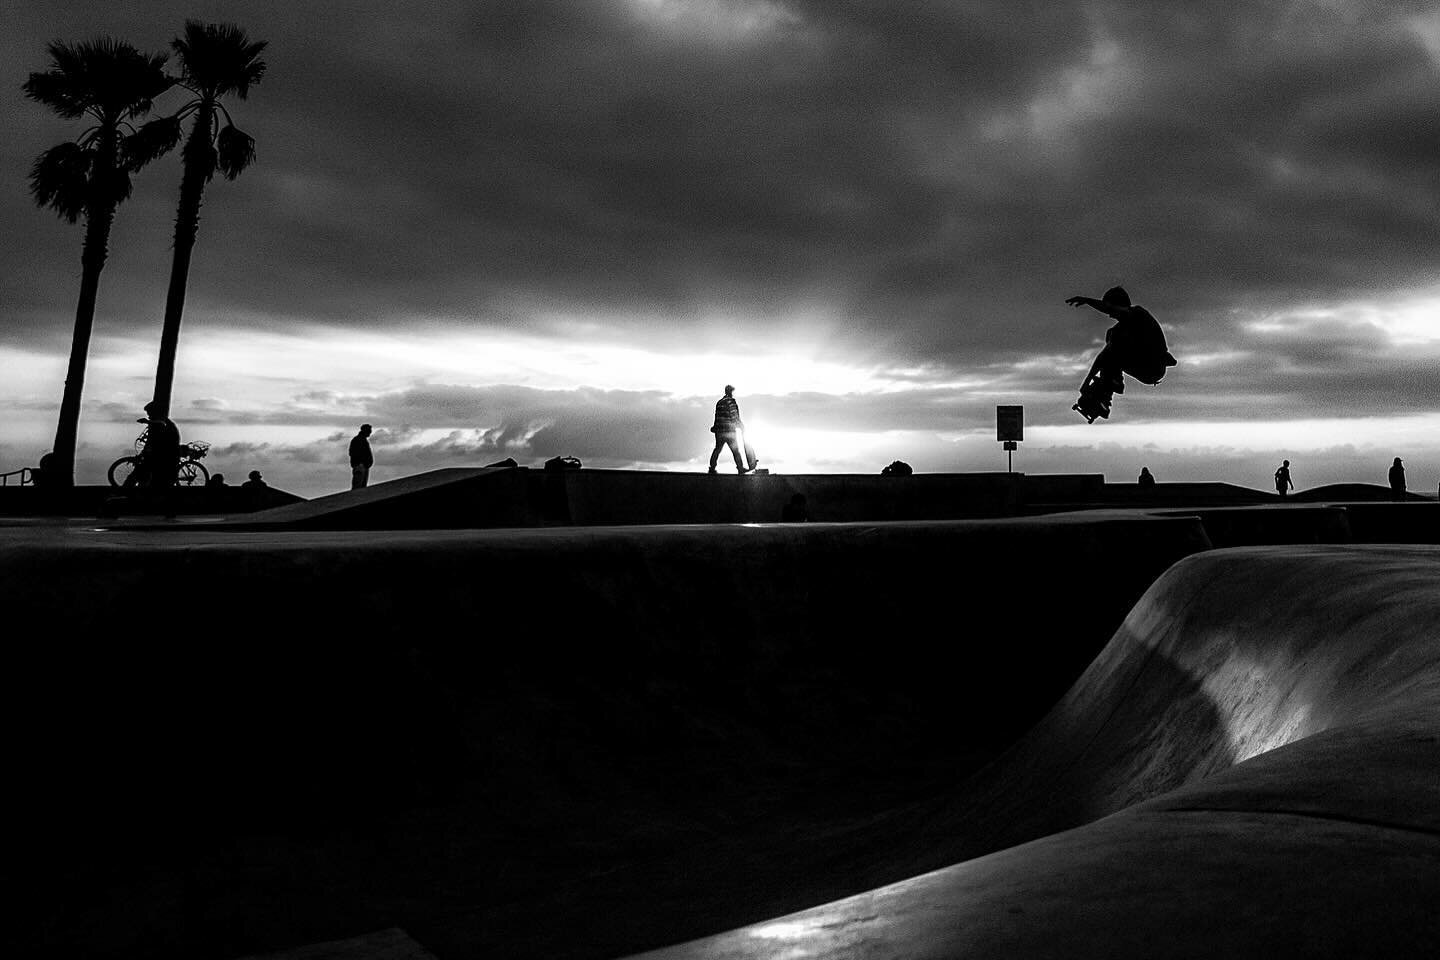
{"type": "Point", "coordinates": [1252, 762]}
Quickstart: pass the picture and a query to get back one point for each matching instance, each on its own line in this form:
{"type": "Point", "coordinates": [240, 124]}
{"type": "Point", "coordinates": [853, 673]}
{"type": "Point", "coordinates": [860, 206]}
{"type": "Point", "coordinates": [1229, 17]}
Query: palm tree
{"type": "Point", "coordinates": [110, 83]}
{"type": "Point", "coordinates": [216, 60]}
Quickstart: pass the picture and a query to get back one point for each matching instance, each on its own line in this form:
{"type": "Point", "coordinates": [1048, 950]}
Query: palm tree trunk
{"type": "Point", "coordinates": [187, 225]}
{"type": "Point", "coordinates": [98, 220]}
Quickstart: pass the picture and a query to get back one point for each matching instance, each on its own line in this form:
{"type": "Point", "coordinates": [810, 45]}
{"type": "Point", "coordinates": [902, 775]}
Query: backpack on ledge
{"type": "Point", "coordinates": [562, 463]}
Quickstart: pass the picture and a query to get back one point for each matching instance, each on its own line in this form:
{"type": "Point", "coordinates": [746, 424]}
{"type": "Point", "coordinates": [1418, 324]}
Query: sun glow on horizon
{"type": "Point", "coordinates": [376, 362]}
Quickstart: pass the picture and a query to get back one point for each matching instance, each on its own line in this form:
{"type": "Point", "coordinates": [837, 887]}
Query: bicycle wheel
{"type": "Point", "coordinates": [122, 472]}
{"type": "Point", "coordinates": [190, 473]}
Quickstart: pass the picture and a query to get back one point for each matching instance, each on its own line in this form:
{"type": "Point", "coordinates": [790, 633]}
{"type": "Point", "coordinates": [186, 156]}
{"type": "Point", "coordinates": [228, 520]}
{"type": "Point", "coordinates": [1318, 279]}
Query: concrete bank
{"type": "Point", "coordinates": [1248, 769]}
{"type": "Point", "coordinates": [548, 742]}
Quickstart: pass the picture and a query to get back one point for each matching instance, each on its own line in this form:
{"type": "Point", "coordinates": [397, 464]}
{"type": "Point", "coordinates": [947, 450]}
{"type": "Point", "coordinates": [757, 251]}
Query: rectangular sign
{"type": "Point", "coordinates": [1010, 423]}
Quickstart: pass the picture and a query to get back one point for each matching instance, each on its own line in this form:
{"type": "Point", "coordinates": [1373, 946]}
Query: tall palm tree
{"type": "Point", "coordinates": [216, 60]}
{"type": "Point", "coordinates": [111, 84]}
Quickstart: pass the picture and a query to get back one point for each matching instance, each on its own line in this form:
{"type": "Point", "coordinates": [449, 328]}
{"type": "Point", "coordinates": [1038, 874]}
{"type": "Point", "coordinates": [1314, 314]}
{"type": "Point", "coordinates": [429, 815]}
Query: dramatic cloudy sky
{"type": "Point", "coordinates": [537, 227]}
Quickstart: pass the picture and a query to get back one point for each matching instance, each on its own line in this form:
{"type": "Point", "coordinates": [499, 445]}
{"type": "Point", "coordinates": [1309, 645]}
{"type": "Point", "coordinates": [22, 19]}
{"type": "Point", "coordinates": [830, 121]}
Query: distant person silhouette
{"type": "Point", "coordinates": [1147, 479]}
{"type": "Point", "coordinates": [1397, 480]}
{"type": "Point", "coordinates": [1283, 484]}
{"type": "Point", "coordinates": [43, 474]}
{"type": "Point", "coordinates": [216, 480]}
{"type": "Point", "coordinates": [160, 459]}
{"type": "Point", "coordinates": [361, 459]}
{"type": "Point", "coordinates": [727, 429]}
{"type": "Point", "coordinates": [1134, 345]}
{"type": "Point", "coordinates": [795, 511]}
{"type": "Point", "coordinates": [253, 490]}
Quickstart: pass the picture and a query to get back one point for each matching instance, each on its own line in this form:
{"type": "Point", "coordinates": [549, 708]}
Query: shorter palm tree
{"type": "Point", "coordinates": [216, 61]}
{"type": "Point", "coordinates": [112, 84]}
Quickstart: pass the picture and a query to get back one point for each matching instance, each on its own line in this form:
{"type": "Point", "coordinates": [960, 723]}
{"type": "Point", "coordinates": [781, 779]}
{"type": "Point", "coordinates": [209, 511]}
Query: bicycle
{"type": "Point", "coordinates": [188, 472]}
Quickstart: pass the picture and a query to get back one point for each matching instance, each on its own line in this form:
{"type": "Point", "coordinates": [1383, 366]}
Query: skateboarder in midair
{"type": "Point", "coordinates": [1134, 345]}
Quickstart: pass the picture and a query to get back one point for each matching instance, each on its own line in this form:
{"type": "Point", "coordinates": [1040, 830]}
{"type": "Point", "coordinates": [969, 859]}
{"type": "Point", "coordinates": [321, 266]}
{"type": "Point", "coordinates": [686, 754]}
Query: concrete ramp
{"type": "Point", "coordinates": [1352, 492]}
{"type": "Point", "coordinates": [1248, 769]}
{"type": "Point", "coordinates": [456, 497]}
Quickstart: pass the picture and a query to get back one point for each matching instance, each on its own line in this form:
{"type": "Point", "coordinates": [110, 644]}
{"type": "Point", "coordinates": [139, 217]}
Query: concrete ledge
{"type": "Point", "coordinates": [492, 497]}
{"type": "Point", "coordinates": [1274, 524]}
{"type": "Point", "coordinates": [108, 501]}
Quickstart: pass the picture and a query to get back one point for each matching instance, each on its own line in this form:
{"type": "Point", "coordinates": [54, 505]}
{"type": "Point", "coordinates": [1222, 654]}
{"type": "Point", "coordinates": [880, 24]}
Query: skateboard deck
{"type": "Point", "coordinates": [1095, 398]}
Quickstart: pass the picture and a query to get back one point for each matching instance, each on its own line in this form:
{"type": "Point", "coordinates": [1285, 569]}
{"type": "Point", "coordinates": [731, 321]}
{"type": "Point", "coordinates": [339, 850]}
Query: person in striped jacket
{"type": "Point", "coordinates": [727, 429]}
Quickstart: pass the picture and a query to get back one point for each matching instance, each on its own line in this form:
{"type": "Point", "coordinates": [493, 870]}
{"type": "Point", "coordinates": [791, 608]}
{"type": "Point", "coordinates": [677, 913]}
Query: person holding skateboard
{"type": "Point", "coordinates": [728, 428]}
{"type": "Point", "coordinates": [1134, 345]}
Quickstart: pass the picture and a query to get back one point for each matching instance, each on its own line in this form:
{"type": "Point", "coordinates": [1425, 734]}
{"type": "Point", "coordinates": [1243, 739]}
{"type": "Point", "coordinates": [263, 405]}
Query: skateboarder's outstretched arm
{"type": "Point", "coordinates": [1109, 309]}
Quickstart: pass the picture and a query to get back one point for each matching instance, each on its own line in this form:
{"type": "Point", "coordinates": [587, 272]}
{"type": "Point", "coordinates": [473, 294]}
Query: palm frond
{"type": "Point", "coordinates": [107, 77]}
{"type": "Point", "coordinates": [59, 179]}
{"type": "Point", "coordinates": [58, 92]}
{"type": "Point", "coordinates": [154, 139]}
{"type": "Point", "coordinates": [236, 149]}
{"type": "Point", "coordinates": [218, 59]}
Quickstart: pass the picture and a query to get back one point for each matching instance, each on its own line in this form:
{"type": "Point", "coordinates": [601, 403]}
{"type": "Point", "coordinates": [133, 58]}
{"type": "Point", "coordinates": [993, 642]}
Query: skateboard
{"type": "Point", "coordinates": [1095, 397]}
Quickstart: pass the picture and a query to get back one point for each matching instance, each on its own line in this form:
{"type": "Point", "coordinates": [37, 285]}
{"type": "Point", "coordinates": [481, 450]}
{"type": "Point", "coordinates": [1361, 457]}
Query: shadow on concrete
{"type": "Point", "coordinates": [556, 743]}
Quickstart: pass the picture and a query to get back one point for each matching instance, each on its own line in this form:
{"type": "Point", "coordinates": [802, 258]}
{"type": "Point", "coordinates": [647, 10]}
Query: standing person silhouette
{"type": "Point", "coordinates": [727, 429]}
{"type": "Point", "coordinates": [1397, 480]}
{"type": "Point", "coordinates": [361, 459]}
{"type": "Point", "coordinates": [1283, 484]}
{"type": "Point", "coordinates": [1147, 479]}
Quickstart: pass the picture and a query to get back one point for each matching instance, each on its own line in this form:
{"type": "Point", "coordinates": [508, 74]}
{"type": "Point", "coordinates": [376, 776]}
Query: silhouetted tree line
{"type": "Point", "coordinates": [113, 85]}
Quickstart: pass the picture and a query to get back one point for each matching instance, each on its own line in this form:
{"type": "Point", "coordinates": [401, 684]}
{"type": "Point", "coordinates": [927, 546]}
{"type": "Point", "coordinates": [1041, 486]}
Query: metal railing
{"type": "Point", "coordinates": [26, 475]}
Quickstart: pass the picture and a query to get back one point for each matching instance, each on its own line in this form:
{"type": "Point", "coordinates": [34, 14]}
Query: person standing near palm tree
{"type": "Point", "coordinates": [216, 61]}
{"type": "Point", "coordinates": [112, 84]}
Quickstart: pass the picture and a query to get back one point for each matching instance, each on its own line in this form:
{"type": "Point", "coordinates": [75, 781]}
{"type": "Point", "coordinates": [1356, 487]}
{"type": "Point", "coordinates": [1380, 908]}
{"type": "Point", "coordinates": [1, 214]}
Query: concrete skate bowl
{"type": "Point", "coordinates": [522, 743]}
{"type": "Point", "coordinates": [1247, 770]}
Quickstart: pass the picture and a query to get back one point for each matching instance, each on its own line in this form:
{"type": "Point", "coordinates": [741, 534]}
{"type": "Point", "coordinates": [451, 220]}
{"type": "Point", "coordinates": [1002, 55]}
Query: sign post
{"type": "Point", "coordinates": [1010, 429]}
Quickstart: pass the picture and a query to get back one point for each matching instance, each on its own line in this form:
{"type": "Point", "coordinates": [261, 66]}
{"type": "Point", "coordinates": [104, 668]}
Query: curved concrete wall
{"type": "Point", "coordinates": [1288, 699]}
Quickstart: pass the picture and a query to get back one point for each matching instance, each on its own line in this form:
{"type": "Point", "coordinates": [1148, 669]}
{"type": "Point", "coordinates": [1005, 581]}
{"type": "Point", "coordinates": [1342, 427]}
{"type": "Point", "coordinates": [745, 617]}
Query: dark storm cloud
{"type": "Point", "coordinates": [937, 175]}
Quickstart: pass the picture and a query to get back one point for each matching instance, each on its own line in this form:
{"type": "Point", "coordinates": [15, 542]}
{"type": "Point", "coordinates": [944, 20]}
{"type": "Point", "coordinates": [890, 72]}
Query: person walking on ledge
{"type": "Point", "coordinates": [727, 429]}
{"type": "Point", "coordinates": [1283, 484]}
{"type": "Point", "coordinates": [361, 459]}
{"type": "Point", "coordinates": [1397, 480]}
